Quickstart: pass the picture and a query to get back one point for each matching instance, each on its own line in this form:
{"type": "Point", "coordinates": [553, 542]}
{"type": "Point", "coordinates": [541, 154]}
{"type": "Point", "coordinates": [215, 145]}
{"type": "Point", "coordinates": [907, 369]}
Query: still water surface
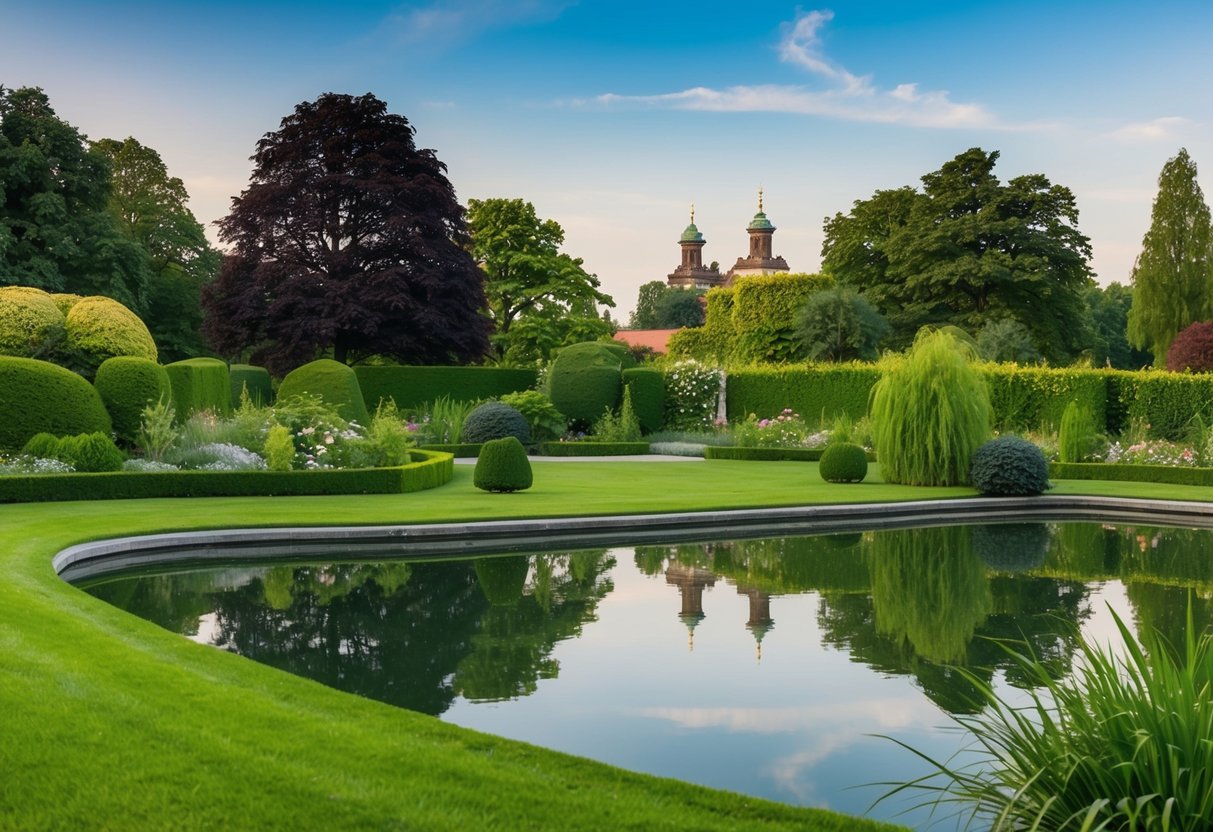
{"type": "Point", "coordinates": [759, 666]}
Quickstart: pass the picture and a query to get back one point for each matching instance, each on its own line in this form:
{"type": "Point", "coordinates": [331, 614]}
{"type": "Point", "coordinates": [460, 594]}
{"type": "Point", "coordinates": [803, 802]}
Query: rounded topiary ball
{"type": "Point", "coordinates": [127, 385]}
{"type": "Point", "coordinates": [495, 420]}
{"type": "Point", "coordinates": [502, 466]}
{"type": "Point", "coordinates": [586, 379]}
{"type": "Point", "coordinates": [37, 397]}
{"type": "Point", "coordinates": [843, 462]}
{"type": "Point", "coordinates": [91, 453]}
{"type": "Point", "coordinates": [332, 381]}
{"type": "Point", "coordinates": [31, 325]}
{"type": "Point", "coordinates": [1009, 467]}
{"type": "Point", "coordinates": [99, 328]}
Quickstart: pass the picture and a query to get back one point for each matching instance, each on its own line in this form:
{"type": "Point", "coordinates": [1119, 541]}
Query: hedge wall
{"type": "Point", "coordinates": [40, 397]}
{"type": "Point", "coordinates": [412, 387]}
{"type": "Point", "coordinates": [256, 380]}
{"type": "Point", "coordinates": [765, 308]}
{"type": "Point", "coordinates": [433, 470]}
{"type": "Point", "coordinates": [462, 449]}
{"type": "Point", "coordinates": [815, 391]}
{"type": "Point", "coordinates": [1025, 398]}
{"type": "Point", "coordinates": [200, 384]}
{"type": "Point", "coordinates": [767, 454]}
{"type": "Point", "coordinates": [711, 343]}
{"type": "Point", "coordinates": [1172, 474]}
{"type": "Point", "coordinates": [585, 380]}
{"type": "Point", "coordinates": [1166, 401]}
{"type": "Point", "coordinates": [648, 396]}
{"type": "Point", "coordinates": [593, 448]}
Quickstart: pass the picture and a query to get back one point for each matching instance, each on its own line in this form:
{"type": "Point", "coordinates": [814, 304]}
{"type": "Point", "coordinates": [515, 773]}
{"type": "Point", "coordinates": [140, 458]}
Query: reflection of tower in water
{"type": "Point", "coordinates": [760, 622]}
{"type": "Point", "coordinates": [691, 582]}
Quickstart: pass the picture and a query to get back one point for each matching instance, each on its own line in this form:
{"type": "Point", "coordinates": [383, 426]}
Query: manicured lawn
{"type": "Point", "coordinates": [110, 722]}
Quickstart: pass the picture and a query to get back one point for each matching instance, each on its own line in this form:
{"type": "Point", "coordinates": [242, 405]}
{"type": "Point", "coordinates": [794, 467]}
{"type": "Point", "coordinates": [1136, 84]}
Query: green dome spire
{"type": "Point", "coordinates": [691, 234]}
{"type": "Point", "coordinates": [760, 221]}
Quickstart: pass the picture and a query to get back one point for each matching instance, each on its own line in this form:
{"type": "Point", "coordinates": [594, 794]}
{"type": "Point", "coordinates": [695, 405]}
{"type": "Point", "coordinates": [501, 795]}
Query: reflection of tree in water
{"type": "Point", "coordinates": [511, 648]}
{"type": "Point", "coordinates": [1165, 570]}
{"type": "Point", "coordinates": [176, 602]}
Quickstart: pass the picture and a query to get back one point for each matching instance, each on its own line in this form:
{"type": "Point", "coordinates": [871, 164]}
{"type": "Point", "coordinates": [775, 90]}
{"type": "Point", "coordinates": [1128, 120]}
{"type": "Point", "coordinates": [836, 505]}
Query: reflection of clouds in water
{"type": "Point", "coordinates": [1100, 628]}
{"type": "Point", "coordinates": [873, 713]}
{"type": "Point", "coordinates": [208, 627]}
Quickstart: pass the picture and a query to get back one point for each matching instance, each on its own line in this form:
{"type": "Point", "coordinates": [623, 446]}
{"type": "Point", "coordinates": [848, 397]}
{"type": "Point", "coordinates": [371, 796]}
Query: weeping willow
{"type": "Point", "coordinates": [930, 413]}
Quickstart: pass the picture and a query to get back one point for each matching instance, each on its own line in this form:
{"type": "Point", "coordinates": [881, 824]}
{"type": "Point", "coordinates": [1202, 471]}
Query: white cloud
{"type": "Point", "coordinates": [1167, 128]}
{"type": "Point", "coordinates": [446, 21]}
{"type": "Point", "coordinates": [846, 96]}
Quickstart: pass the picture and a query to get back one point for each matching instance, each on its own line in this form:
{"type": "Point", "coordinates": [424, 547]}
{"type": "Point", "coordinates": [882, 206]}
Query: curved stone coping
{"type": "Point", "coordinates": [103, 557]}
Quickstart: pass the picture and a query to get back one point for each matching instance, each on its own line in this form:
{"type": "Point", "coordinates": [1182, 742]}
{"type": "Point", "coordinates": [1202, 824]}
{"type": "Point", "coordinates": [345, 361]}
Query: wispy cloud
{"type": "Point", "coordinates": [843, 95]}
{"type": "Point", "coordinates": [445, 22]}
{"type": "Point", "coordinates": [1167, 128]}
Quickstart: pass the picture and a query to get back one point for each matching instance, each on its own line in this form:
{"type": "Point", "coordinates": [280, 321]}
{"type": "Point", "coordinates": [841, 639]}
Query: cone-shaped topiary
{"type": "Point", "coordinates": [332, 381]}
{"type": "Point", "coordinates": [843, 462]}
{"type": "Point", "coordinates": [1009, 467]}
{"type": "Point", "coordinates": [128, 384]}
{"type": "Point", "coordinates": [495, 420]}
{"type": "Point", "coordinates": [502, 580]}
{"type": "Point", "coordinates": [502, 466]}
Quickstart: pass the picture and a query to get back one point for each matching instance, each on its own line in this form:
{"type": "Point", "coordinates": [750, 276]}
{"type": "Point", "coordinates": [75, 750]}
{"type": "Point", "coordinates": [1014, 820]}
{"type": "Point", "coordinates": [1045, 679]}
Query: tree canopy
{"type": "Point", "coordinates": [1173, 276]}
{"type": "Point", "coordinates": [966, 249]}
{"type": "Point", "coordinates": [349, 238]}
{"type": "Point", "coordinates": [56, 232]}
{"type": "Point", "coordinates": [1109, 308]}
{"type": "Point", "coordinates": [539, 298]}
{"type": "Point", "coordinates": [839, 324]}
{"type": "Point", "coordinates": [661, 306]}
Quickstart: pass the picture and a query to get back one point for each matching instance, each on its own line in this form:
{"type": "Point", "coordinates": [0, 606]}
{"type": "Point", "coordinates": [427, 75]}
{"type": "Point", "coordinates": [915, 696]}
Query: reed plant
{"type": "Point", "coordinates": [930, 412]}
{"type": "Point", "coordinates": [446, 416]}
{"type": "Point", "coordinates": [1125, 743]}
{"type": "Point", "coordinates": [1077, 437]}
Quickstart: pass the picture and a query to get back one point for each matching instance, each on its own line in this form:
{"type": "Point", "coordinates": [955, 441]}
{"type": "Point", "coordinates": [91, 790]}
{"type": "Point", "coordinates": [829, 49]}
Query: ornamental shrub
{"type": "Point", "coordinates": [332, 381]}
{"type": "Point", "coordinates": [647, 387]}
{"type": "Point", "coordinates": [502, 466]}
{"type": "Point", "coordinates": [620, 427]}
{"type": "Point", "coordinates": [692, 392]}
{"type": "Point", "coordinates": [92, 453]}
{"type": "Point", "coordinates": [843, 462]}
{"type": "Point", "coordinates": [279, 451]}
{"type": "Point", "coordinates": [495, 420]}
{"type": "Point", "coordinates": [544, 420]}
{"type": "Point", "coordinates": [1076, 437]}
{"type": "Point", "coordinates": [1008, 466]}
{"type": "Point", "coordinates": [65, 301]}
{"type": "Point", "coordinates": [127, 385]}
{"type": "Point", "coordinates": [765, 311]}
{"type": "Point", "coordinates": [929, 413]}
{"type": "Point", "coordinates": [31, 325]}
{"type": "Point", "coordinates": [36, 397]}
{"type": "Point", "coordinates": [199, 384]}
{"type": "Point", "coordinates": [42, 446]}
{"type": "Point", "coordinates": [1192, 349]}
{"type": "Point", "coordinates": [586, 379]}
{"type": "Point", "coordinates": [253, 380]}
{"type": "Point", "coordinates": [99, 328]}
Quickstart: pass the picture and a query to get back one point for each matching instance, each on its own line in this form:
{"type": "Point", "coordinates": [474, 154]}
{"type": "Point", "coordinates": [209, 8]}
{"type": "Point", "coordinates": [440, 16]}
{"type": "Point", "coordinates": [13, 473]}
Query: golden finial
{"type": "Point", "coordinates": [760, 199]}
{"type": "Point", "coordinates": [692, 213]}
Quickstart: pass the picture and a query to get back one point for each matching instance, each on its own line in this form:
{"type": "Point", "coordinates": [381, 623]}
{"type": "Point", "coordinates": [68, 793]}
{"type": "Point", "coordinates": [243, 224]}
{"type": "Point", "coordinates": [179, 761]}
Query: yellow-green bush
{"type": "Point", "coordinates": [815, 391]}
{"type": "Point", "coordinates": [40, 397]}
{"type": "Point", "coordinates": [65, 301]}
{"type": "Point", "coordinates": [31, 325]}
{"type": "Point", "coordinates": [765, 309]}
{"type": "Point", "coordinates": [1026, 398]}
{"type": "Point", "coordinates": [99, 328]}
{"type": "Point", "coordinates": [332, 381]}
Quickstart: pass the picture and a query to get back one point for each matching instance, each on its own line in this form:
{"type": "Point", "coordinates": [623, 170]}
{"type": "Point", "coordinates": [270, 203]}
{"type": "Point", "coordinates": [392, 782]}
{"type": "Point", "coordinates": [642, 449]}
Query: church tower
{"type": "Point", "coordinates": [761, 259]}
{"type": "Point", "coordinates": [692, 274]}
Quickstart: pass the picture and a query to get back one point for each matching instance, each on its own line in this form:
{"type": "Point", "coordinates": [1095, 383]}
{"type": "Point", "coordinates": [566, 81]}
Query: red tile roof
{"type": "Point", "coordinates": [654, 339]}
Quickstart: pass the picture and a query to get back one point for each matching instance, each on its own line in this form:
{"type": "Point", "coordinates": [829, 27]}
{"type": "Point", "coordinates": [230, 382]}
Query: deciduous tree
{"type": "Point", "coordinates": [839, 324]}
{"type": "Point", "coordinates": [349, 238]}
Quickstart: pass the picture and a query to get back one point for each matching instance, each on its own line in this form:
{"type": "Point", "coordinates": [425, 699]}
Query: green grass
{"type": "Point", "coordinates": [110, 722]}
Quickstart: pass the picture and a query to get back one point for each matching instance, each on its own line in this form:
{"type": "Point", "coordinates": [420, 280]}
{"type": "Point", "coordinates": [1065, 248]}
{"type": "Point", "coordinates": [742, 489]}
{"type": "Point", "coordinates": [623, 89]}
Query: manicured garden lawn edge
{"type": "Point", "coordinates": [111, 722]}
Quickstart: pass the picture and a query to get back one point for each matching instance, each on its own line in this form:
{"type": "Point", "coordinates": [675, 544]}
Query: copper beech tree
{"type": "Point", "coordinates": [348, 239]}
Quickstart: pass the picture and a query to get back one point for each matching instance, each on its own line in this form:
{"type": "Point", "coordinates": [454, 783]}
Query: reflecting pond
{"type": "Point", "coordinates": [762, 666]}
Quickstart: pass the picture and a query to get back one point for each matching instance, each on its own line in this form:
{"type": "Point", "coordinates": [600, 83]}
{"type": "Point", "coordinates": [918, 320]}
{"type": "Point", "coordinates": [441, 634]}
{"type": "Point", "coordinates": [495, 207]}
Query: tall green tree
{"type": "Point", "coordinates": [839, 324]}
{"type": "Point", "coordinates": [527, 276]}
{"type": "Point", "coordinates": [1173, 276]}
{"type": "Point", "coordinates": [644, 316]}
{"type": "Point", "coordinates": [1109, 308]}
{"type": "Point", "coordinates": [967, 249]}
{"type": "Point", "coordinates": [56, 232]}
{"type": "Point", "coordinates": [151, 209]}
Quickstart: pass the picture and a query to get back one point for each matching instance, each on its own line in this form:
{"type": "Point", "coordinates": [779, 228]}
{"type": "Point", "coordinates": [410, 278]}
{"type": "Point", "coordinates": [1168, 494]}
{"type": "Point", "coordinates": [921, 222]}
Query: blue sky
{"type": "Point", "coordinates": [612, 117]}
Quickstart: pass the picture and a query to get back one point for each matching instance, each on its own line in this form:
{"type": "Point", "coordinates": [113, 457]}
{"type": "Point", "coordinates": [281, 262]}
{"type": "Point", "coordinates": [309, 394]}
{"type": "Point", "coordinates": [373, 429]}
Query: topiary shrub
{"type": "Point", "coordinates": [37, 396]}
{"type": "Point", "coordinates": [42, 446]}
{"type": "Point", "coordinates": [99, 328]}
{"type": "Point", "coordinates": [253, 380]}
{"type": "Point", "coordinates": [586, 379]}
{"type": "Point", "coordinates": [1192, 349]}
{"type": "Point", "coordinates": [495, 420]}
{"type": "Point", "coordinates": [127, 385]}
{"type": "Point", "coordinates": [843, 462]}
{"type": "Point", "coordinates": [91, 453]}
{"type": "Point", "coordinates": [502, 580]}
{"type": "Point", "coordinates": [929, 413]}
{"type": "Point", "coordinates": [647, 386]}
{"type": "Point", "coordinates": [66, 301]}
{"type": "Point", "coordinates": [279, 449]}
{"type": "Point", "coordinates": [1009, 467]}
{"type": "Point", "coordinates": [31, 325]}
{"type": "Point", "coordinates": [1012, 547]}
{"type": "Point", "coordinates": [502, 466]}
{"type": "Point", "coordinates": [545, 421]}
{"type": "Point", "coordinates": [332, 381]}
{"type": "Point", "coordinates": [199, 384]}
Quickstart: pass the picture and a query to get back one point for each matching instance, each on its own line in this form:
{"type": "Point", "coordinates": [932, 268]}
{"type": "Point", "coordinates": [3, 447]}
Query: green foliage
{"type": "Point", "coordinates": [1165, 403]}
{"type": "Point", "coordinates": [1012, 547]}
{"type": "Point", "coordinates": [820, 391]}
{"type": "Point", "coordinates": [843, 462]}
{"type": "Point", "coordinates": [1125, 743]}
{"type": "Point", "coordinates": [1007, 340]}
{"type": "Point", "coordinates": [502, 579]}
{"type": "Point", "coordinates": [618, 427]}
{"type": "Point", "coordinates": [764, 454]}
{"type": "Point", "coordinates": [334, 382]}
{"type": "Point", "coordinates": [1076, 437]}
{"type": "Point", "coordinates": [199, 384]}
{"type": "Point", "coordinates": [37, 397]}
{"type": "Point", "coordinates": [91, 453]}
{"type": "Point", "coordinates": [646, 385]}
{"type": "Point", "coordinates": [1008, 466]}
{"type": "Point", "coordinates": [1027, 398]}
{"type": "Point", "coordinates": [544, 420]}
{"type": "Point", "coordinates": [714, 342]}
{"type": "Point", "coordinates": [128, 384]}
{"type": "Point", "coordinates": [279, 449]}
{"type": "Point", "coordinates": [585, 380]}
{"type": "Point", "coordinates": [98, 328]}
{"type": "Point", "coordinates": [442, 421]}
{"type": "Point", "coordinates": [412, 387]}
{"type": "Point", "coordinates": [1109, 306]}
{"type": "Point", "coordinates": [388, 436]}
{"type": "Point", "coordinates": [1108, 471]}
{"type": "Point", "coordinates": [434, 470]}
{"type": "Point", "coordinates": [251, 381]}
{"type": "Point", "coordinates": [42, 446]}
{"type": "Point", "coordinates": [157, 431]}
{"type": "Point", "coordinates": [766, 309]}
{"type": "Point", "coordinates": [593, 448]}
{"type": "Point", "coordinates": [502, 466]}
{"type": "Point", "coordinates": [838, 324]}
{"type": "Point", "coordinates": [692, 391]}
{"type": "Point", "coordinates": [929, 413]}
{"type": "Point", "coordinates": [786, 430]}
{"type": "Point", "coordinates": [31, 325]}
{"type": "Point", "coordinates": [495, 420]}
{"type": "Point", "coordinates": [1173, 274]}
{"type": "Point", "coordinates": [660, 306]}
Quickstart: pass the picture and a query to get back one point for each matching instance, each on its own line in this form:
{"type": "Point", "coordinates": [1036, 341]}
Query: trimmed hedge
{"type": "Point", "coordinates": [31, 325]}
{"type": "Point", "coordinates": [200, 384]}
{"type": "Point", "coordinates": [1171, 474]}
{"type": "Point", "coordinates": [254, 379]}
{"type": "Point", "coordinates": [411, 387]}
{"type": "Point", "coordinates": [127, 385]}
{"type": "Point", "coordinates": [586, 380]}
{"type": "Point", "coordinates": [843, 462]}
{"type": "Point", "coordinates": [768, 454]}
{"type": "Point", "coordinates": [648, 396]}
{"type": "Point", "coordinates": [334, 382]}
{"type": "Point", "coordinates": [1165, 401]}
{"type": "Point", "coordinates": [765, 310]}
{"type": "Point", "coordinates": [503, 467]}
{"type": "Point", "coordinates": [593, 448]}
{"type": "Point", "coordinates": [40, 397]}
{"type": "Point", "coordinates": [813, 390]}
{"type": "Point", "coordinates": [1025, 398]}
{"type": "Point", "coordinates": [433, 470]}
{"type": "Point", "coordinates": [99, 328]}
{"type": "Point", "coordinates": [463, 449]}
